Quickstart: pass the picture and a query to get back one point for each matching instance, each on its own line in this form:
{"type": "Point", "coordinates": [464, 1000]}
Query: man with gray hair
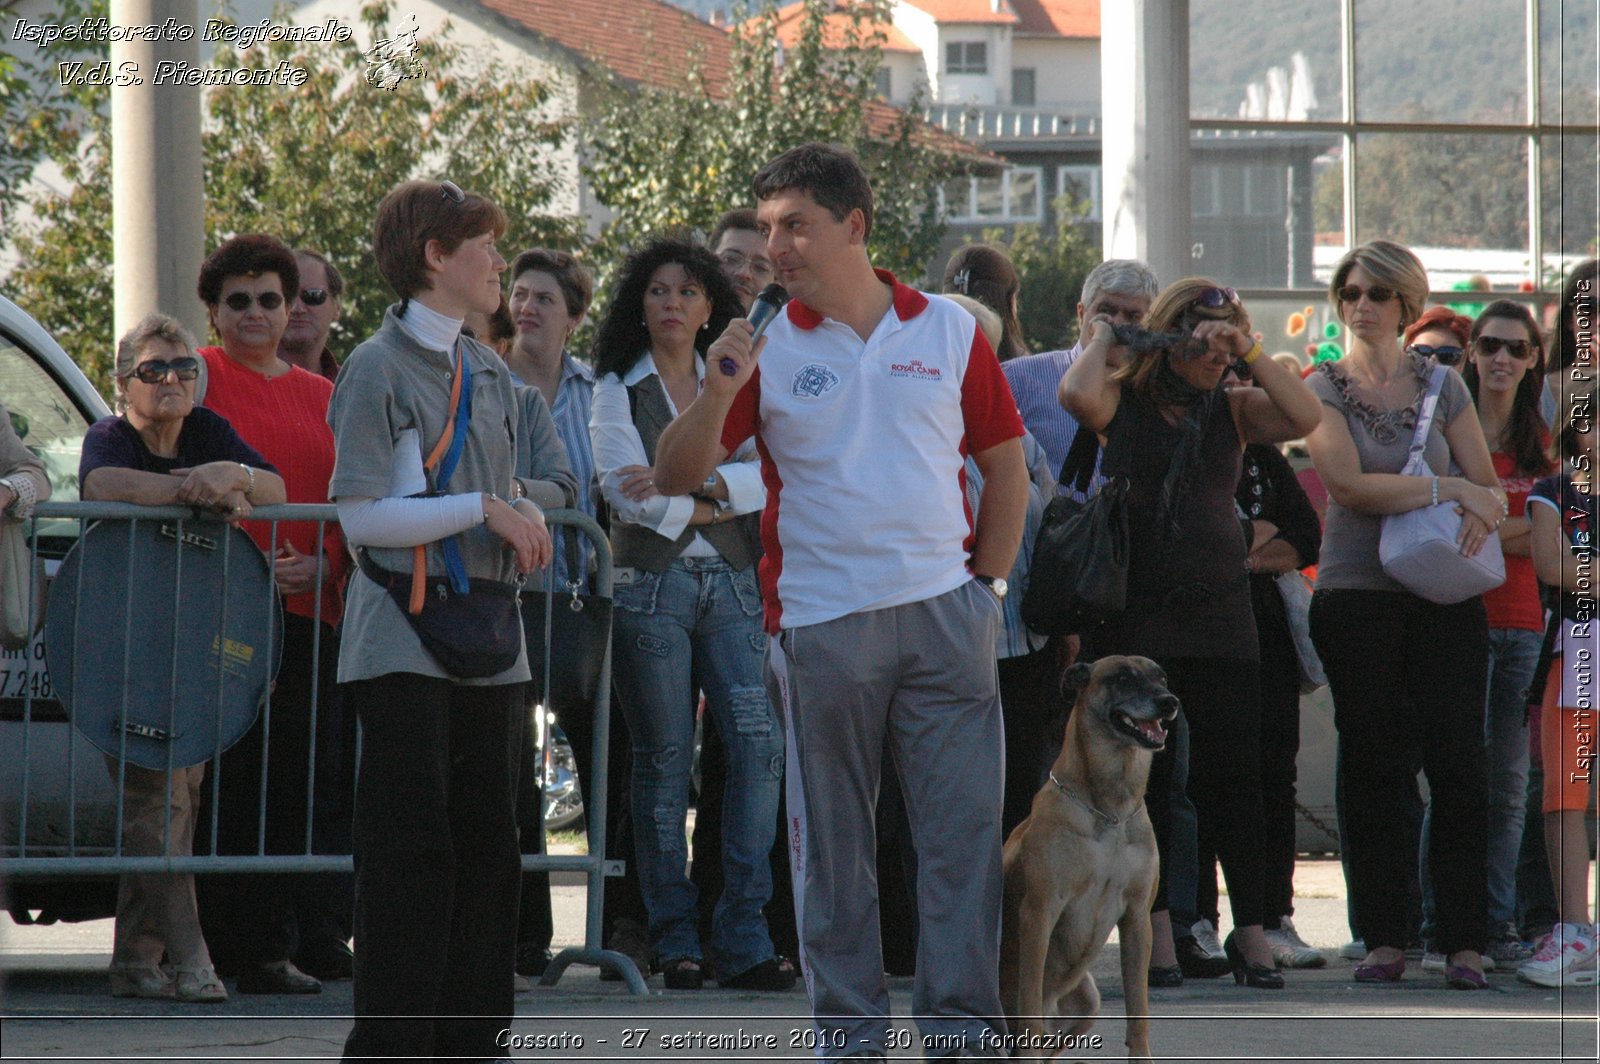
{"type": "Point", "coordinates": [1120, 289]}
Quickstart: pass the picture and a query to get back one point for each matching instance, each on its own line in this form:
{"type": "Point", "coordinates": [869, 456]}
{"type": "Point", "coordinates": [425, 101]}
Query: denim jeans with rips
{"type": "Point", "coordinates": [697, 627]}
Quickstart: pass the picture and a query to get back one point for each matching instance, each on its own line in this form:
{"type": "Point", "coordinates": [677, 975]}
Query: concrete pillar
{"type": "Point", "coordinates": [1144, 107]}
{"type": "Point", "coordinates": [157, 197]}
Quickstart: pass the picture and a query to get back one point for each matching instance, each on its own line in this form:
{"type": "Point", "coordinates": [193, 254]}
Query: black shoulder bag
{"type": "Point", "coordinates": [1078, 579]}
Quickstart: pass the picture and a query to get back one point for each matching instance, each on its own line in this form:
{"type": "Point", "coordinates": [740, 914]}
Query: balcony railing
{"type": "Point", "coordinates": [979, 123]}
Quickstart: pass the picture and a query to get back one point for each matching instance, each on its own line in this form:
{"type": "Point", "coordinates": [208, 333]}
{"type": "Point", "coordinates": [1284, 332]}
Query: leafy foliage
{"type": "Point", "coordinates": [1052, 267]}
{"type": "Point", "coordinates": [678, 157]}
{"type": "Point", "coordinates": [308, 164]}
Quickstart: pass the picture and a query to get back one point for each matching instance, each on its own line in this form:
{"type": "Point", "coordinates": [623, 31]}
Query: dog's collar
{"type": "Point", "coordinates": [1102, 814]}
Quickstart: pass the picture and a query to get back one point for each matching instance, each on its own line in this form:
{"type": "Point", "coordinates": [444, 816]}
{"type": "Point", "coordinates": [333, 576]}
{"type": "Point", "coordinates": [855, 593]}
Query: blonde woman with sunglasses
{"type": "Point", "coordinates": [1407, 675]}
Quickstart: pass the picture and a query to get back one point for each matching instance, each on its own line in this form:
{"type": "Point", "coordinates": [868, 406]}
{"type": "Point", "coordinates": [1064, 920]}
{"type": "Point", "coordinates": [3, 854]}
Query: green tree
{"type": "Point", "coordinates": [678, 157]}
{"type": "Point", "coordinates": [308, 164]}
{"type": "Point", "coordinates": [1052, 266]}
{"type": "Point", "coordinates": [36, 110]}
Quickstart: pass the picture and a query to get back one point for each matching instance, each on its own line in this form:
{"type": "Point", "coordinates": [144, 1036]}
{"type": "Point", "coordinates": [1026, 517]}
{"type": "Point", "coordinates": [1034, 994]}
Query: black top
{"type": "Point", "coordinates": [1188, 593]}
{"type": "Point", "coordinates": [1270, 491]}
{"type": "Point", "coordinates": [206, 437]}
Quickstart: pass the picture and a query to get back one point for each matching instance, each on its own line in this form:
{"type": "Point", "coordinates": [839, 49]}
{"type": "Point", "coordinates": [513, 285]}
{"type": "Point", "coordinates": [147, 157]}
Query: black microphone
{"type": "Point", "coordinates": [762, 311]}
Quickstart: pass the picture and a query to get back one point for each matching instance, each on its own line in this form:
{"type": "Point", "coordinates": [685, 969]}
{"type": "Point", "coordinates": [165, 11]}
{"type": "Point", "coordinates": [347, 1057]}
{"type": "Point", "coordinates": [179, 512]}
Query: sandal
{"type": "Point", "coordinates": [773, 974]}
{"type": "Point", "coordinates": [683, 973]}
{"type": "Point", "coordinates": [199, 984]}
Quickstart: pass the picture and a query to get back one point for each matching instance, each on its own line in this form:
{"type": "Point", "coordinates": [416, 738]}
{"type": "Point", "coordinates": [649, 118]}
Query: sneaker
{"type": "Point", "coordinates": [1566, 958]}
{"type": "Point", "coordinates": [1289, 950]}
{"type": "Point", "coordinates": [1354, 950]}
{"type": "Point", "coordinates": [1507, 951]}
{"type": "Point", "coordinates": [1206, 934]}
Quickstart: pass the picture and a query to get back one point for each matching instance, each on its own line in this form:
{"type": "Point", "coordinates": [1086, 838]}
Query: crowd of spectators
{"type": "Point", "coordinates": [443, 437]}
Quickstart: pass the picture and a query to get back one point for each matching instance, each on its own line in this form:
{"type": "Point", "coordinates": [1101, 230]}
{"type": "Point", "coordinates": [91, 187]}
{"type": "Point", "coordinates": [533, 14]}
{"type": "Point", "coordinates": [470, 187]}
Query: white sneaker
{"type": "Point", "coordinates": [1289, 950]}
{"type": "Point", "coordinates": [1206, 935]}
{"type": "Point", "coordinates": [1354, 950]}
{"type": "Point", "coordinates": [1566, 957]}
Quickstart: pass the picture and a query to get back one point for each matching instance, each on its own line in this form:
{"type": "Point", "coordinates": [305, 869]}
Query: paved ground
{"type": "Point", "coordinates": [56, 1008]}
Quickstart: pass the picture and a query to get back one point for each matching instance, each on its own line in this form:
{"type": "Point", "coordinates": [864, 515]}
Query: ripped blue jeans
{"type": "Point", "coordinates": [697, 627]}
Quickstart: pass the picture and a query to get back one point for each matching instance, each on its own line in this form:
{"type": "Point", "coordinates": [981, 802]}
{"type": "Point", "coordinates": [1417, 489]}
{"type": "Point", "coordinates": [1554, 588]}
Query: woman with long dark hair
{"type": "Point", "coordinates": [687, 618]}
{"type": "Point", "coordinates": [1504, 372]}
{"type": "Point", "coordinates": [1178, 435]}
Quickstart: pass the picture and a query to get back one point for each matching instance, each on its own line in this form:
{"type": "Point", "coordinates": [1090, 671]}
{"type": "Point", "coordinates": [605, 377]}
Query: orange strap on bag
{"type": "Point", "coordinates": [419, 556]}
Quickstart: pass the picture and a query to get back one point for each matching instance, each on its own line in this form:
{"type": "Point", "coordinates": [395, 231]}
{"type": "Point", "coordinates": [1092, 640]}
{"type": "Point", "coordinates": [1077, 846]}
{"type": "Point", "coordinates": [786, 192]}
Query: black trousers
{"type": "Point", "coordinates": [1222, 706]}
{"type": "Point", "coordinates": [436, 866]}
{"type": "Point", "coordinates": [1280, 745]}
{"type": "Point", "coordinates": [1407, 678]}
{"type": "Point", "coordinates": [1032, 715]}
{"type": "Point", "coordinates": [261, 918]}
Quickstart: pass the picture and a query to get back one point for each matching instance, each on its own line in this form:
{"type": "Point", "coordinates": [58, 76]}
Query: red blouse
{"type": "Point", "coordinates": [286, 419]}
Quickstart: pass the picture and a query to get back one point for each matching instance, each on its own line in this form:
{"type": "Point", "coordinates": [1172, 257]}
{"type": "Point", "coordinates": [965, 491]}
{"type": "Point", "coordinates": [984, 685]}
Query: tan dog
{"type": "Point", "coordinates": [1084, 860]}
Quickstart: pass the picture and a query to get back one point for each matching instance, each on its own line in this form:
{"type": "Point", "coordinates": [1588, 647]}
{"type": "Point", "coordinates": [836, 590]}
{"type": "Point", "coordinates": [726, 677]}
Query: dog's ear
{"type": "Point", "coordinates": [1074, 680]}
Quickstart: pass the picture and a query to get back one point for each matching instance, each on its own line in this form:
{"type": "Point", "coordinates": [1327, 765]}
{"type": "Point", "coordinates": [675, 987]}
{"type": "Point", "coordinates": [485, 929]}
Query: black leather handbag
{"type": "Point", "coordinates": [1078, 579]}
{"type": "Point", "coordinates": [472, 635]}
{"type": "Point", "coordinates": [580, 630]}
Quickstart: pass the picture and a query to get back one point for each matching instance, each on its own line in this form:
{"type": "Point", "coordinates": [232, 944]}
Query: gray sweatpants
{"type": "Point", "coordinates": [921, 678]}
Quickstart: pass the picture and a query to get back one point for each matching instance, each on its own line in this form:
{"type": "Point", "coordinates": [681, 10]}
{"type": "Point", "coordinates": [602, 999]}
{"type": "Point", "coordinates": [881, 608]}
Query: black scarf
{"type": "Point", "coordinates": [1167, 389]}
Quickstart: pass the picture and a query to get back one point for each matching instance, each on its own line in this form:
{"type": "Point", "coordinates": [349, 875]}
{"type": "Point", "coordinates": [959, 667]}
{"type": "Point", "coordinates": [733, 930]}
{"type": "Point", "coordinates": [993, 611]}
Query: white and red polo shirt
{"type": "Point", "coordinates": [863, 448]}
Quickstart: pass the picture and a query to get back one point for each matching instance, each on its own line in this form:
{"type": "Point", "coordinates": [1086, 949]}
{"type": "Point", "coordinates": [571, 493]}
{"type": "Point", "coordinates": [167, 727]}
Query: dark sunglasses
{"type": "Point", "coordinates": [312, 297]}
{"type": "Point", "coordinates": [1492, 345]}
{"type": "Point", "coordinates": [1216, 298]}
{"type": "Point", "coordinates": [155, 370]}
{"type": "Point", "coordinates": [240, 301]}
{"type": "Point", "coordinates": [1447, 354]}
{"type": "Point", "coordinates": [1377, 293]}
{"type": "Point", "coordinates": [452, 192]}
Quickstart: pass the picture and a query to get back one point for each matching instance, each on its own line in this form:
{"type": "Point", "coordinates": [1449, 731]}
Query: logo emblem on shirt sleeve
{"type": "Point", "coordinates": [812, 381]}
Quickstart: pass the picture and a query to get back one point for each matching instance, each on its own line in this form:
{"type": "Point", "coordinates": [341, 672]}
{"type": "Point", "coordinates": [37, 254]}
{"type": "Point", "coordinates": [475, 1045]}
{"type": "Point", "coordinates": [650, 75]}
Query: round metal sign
{"type": "Point", "coordinates": [162, 636]}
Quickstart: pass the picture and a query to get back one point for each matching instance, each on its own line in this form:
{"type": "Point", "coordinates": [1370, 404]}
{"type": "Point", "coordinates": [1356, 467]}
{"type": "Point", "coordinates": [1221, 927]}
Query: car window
{"type": "Point", "coordinates": [49, 423]}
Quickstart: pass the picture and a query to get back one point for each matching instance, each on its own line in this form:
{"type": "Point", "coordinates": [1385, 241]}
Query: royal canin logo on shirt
{"type": "Point", "coordinates": [914, 369]}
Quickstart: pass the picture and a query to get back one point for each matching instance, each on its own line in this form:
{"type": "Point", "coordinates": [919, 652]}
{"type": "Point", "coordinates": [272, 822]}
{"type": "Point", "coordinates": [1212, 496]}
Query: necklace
{"type": "Point", "coordinates": [1062, 787]}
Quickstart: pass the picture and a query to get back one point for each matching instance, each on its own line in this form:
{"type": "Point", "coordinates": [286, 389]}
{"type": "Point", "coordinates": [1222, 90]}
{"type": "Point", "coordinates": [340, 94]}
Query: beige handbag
{"type": "Point", "coordinates": [21, 587]}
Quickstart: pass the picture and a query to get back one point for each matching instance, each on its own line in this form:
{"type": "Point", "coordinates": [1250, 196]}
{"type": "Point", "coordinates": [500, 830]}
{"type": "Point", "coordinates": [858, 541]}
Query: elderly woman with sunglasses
{"type": "Point", "coordinates": [1177, 433]}
{"type": "Point", "coordinates": [263, 927]}
{"type": "Point", "coordinates": [1407, 675]}
{"type": "Point", "coordinates": [162, 451]}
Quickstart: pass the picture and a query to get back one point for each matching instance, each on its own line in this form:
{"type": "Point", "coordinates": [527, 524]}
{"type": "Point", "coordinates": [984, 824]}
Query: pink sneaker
{"type": "Point", "coordinates": [1565, 957]}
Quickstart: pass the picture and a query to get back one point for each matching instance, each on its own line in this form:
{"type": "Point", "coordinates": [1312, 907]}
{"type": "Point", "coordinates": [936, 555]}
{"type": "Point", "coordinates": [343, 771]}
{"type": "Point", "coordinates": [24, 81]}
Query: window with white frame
{"type": "Point", "coordinates": [1081, 185]}
{"type": "Point", "coordinates": [1013, 196]}
{"type": "Point", "coordinates": [966, 57]}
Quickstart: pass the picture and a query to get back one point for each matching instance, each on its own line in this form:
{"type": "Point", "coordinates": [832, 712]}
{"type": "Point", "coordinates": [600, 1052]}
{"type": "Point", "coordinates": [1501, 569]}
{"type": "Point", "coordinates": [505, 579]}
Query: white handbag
{"type": "Point", "coordinates": [1418, 548]}
{"type": "Point", "coordinates": [21, 587]}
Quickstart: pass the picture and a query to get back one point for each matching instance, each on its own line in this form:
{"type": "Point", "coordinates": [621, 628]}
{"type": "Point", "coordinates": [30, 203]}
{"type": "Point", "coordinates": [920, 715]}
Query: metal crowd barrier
{"type": "Point", "coordinates": [63, 811]}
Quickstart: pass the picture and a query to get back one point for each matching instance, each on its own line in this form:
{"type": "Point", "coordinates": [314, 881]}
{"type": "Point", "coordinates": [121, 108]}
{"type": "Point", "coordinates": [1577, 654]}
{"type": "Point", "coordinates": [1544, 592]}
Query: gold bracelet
{"type": "Point", "coordinates": [1254, 353]}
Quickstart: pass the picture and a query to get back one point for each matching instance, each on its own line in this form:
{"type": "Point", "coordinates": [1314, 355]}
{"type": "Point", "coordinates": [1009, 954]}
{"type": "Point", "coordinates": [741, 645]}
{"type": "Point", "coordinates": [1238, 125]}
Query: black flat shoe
{"type": "Point", "coordinates": [1196, 962]}
{"type": "Point", "coordinates": [531, 960]}
{"type": "Point", "coordinates": [279, 977]}
{"type": "Point", "coordinates": [1164, 978]}
{"type": "Point", "coordinates": [327, 960]}
{"type": "Point", "coordinates": [682, 973]}
{"type": "Point", "coordinates": [772, 974]}
{"type": "Point", "coordinates": [1258, 976]}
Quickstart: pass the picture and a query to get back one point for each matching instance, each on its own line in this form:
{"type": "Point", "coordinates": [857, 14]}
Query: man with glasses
{"type": "Point", "coordinates": [312, 313]}
{"type": "Point", "coordinates": [738, 244]}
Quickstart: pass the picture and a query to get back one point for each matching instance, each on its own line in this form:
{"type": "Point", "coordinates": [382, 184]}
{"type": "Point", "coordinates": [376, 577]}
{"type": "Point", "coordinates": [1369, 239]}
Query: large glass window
{"type": "Point", "coordinates": [1081, 187]}
{"type": "Point", "coordinates": [1416, 113]}
{"type": "Point", "coordinates": [1012, 196]}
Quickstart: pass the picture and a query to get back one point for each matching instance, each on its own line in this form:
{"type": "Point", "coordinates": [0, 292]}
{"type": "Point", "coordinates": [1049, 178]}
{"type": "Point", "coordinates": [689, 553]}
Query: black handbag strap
{"type": "Point", "coordinates": [1077, 469]}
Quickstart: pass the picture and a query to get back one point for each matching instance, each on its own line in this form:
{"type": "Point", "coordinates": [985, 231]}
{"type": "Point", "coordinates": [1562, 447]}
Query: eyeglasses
{"type": "Point", "coordinates": [738, 260]}
{"type": "Point", "coordinates": [1448, 354]}
{"type": "Point", "coordinates": [155, 370]}
{"type": "Point", "coordinates": [1492, 345]}
{"type": "Point", "coordinates": [240, 301]}
{"type": "Point", "coordinates": [451, 191]}
{"type": "Point", "coordinates": [1377, 293]}
{"type": "Point", "coordinates": [1216, 298]}
{"type": "Point", "coordinates": [312, 297]}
